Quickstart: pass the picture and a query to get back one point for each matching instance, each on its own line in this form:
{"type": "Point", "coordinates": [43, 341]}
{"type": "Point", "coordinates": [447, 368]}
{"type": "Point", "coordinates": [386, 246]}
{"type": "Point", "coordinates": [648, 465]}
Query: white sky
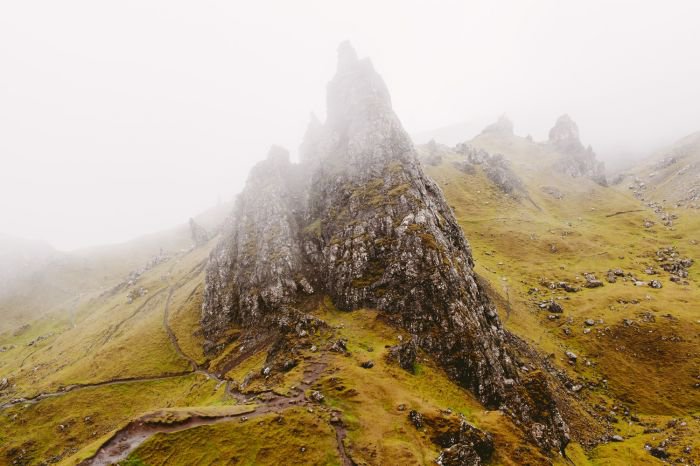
{"type": "Point", "coordinates": [122, 118]}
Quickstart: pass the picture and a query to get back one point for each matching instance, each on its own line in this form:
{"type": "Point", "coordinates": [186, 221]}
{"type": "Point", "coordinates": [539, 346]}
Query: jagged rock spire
{"type": "Point", "coordinates": [358, 101]}
{"type": "Point", "coordinates": [360, 222]}
{"type": "Point", "coordinates": [258, 264]}
{"type": "Point", "coordinates": [576, 160]}
{"type": "Point", "coordinates": [198, 234]}
{"type": "Point", "coordinates": [564, 134]}
{"type": "Point", "coordinates": [347, 56]}
{"type": "Point", "coordinates": [309, 150]}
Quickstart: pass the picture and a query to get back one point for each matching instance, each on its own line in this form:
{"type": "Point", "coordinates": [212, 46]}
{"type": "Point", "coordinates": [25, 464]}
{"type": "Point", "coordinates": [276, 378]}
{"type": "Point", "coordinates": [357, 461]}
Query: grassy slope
{"type": "Point", "coordinates": [300, 438]}
{"type": "Point", "coordinates": [512, 242]}
{"type": "Point", "coordinates": [107, 339]}
{"type": "Point", "coordinates": [55, 285]}
{"type": "Point", "coordinates": [644, 365]}
{"type": "Point", "coordinates": [369, 400]}
{"type": "Point", "coordinates": [673, 182]}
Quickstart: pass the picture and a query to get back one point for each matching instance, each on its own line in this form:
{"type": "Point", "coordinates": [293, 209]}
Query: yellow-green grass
{"type": "Point", "coordinates": [108, 338]}
{"type": "Point", "coordinates": [379, 431]}
{"type": "Point", "coordinates": [294, 437]}
{"type": "Point", "coordinates": [57, 427]}
{"type": "Point", "coordinates": [512, 244]}
{"type": "Point", "coordinates": [168, 416]}
{"type": "Point", "coordinates": [651, 373]}
{"type": "Point", "coordinates": [185, 313]}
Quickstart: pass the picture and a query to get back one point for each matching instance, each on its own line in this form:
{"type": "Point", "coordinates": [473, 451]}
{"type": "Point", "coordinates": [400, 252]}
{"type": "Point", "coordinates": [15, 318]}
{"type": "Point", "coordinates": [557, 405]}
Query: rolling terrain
{"type": "Point", "coordinates": [597, 293]}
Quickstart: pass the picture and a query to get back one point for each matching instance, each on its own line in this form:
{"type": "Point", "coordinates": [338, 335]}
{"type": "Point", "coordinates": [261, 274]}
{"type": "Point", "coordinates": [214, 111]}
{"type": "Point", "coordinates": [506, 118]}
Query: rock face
{"type": "Point", "coordinates": [258, 265]}
{"type": "Point", "coordinates": [577, 160]}
{"type": "Point", "coordinates": [358, 220]}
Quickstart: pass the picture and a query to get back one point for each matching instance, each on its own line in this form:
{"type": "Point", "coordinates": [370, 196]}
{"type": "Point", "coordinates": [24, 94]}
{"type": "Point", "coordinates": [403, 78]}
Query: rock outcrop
{"type": "Point", "coordinates": [576, 160]}
{"type": "Point", "coordinates": [503, 127]}
{"type": "Point", "coordinates": [432, 153]}
{"type": "Point", "coordinates": [359, 221]}
{"type": "Point", "coordinates": [258, 264]}
{"type": "Point", "coordinates": [496, 168]}
{"type": "Point", "coordinates": [198, 234]}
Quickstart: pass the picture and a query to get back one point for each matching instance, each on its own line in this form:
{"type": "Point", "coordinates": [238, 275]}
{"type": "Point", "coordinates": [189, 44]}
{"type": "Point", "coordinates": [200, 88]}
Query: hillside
{"type": "Point", "coordinates": [492, 302]}
{"type": "Point", "coordinates": [671, 177]}
{"type": "Point", "coordinates": [37, 279]}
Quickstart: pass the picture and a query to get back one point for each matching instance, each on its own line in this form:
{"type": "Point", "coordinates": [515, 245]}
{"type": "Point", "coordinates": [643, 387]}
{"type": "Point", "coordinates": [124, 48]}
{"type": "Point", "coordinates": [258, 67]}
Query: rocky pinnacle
{"type": "Point", "coordinates": [576, 160]}
{"type": "Point", "coordinates": [358, 220]}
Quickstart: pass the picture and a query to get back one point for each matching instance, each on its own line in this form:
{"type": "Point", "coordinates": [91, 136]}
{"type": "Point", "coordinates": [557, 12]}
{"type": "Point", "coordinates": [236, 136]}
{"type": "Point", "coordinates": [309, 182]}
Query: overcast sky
{"type": "Point", "coordinates": [123, 118]}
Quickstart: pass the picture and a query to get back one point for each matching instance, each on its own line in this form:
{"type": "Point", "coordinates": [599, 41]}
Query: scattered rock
{"type": "Point", "coordinates": [552, 306]}
{"type": "Point", "coordinates": [405, 355]}
{"type": "Point", "coordinates": [416, 419]}
{"type": "Point", "coordinates": [658, 452]}
{"type": "Point", "coordinates": [459, 455]}
{"type": "Point", "coordinates": [289, 364]}
{"type": "Point", "coordinates": [135, 293]}
{"type": "Point", "coordinates": [591, 281]}
{"type": "Point", "coordinates": [317, 396]}
{"type": "Point", "coordinates": [338, 346]}
{"type": "Point", "coordinates": [464, 167]}
{"type": "Point", "coordinates": [367, 364]}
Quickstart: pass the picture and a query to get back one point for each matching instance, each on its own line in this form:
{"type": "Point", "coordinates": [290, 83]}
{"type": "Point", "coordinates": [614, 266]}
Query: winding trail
{"type": "Point", "coordinates": [624, 212]}
{"type": "Point", "coordinates": [195, 368]}
{"type": "Point", "coordinates": [134, 434]}
{"type": "Point", "coordinates": [75, 387]}
{"type": "Point", "coordinates": [171, 334]}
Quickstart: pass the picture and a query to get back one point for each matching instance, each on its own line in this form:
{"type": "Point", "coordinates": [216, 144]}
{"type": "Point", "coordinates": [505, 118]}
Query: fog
{"type": "Point", "coordinates": [123, 118]}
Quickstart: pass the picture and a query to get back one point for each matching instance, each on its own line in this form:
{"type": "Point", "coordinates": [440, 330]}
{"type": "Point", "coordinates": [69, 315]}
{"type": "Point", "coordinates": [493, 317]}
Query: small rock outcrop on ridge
{"type": "Point", "coordinates": [359, 221]}
{"type": "Point", "coordinates": [198, 234]}
{"type": "Point", "coordinates": [576, 160]}
{"type": "Point", "coordinates": [503, 126]}
{"type": "Point", "coordinates": [496, 168]}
